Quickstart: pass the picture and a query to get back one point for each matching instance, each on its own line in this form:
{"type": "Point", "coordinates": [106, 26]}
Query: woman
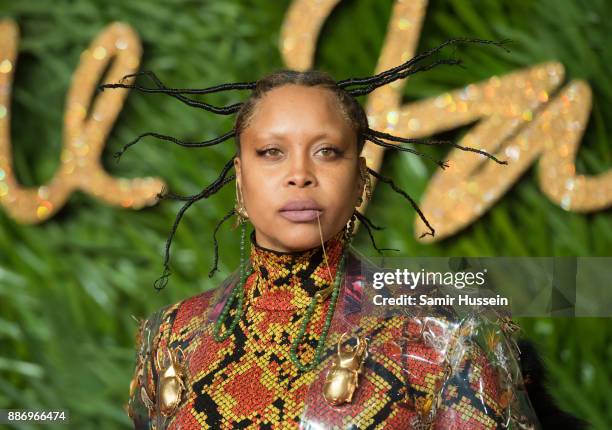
{"type": "Point", "coordinates": [284, 341]}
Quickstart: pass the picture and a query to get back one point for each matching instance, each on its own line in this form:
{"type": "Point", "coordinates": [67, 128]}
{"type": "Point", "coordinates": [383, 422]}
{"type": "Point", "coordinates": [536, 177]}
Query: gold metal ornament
{"type": "Point", "coordinates": [342, 379]}
{"type": "Point", "coordinates": [136, 377]}
{"type": "Point", "coordinates": [139, 358]}
{"type": "Point", "coordinates": [171, 386]}
{"type": "Point", "coordinates": [146, 400]}
{"type": "Point", "coordinates": [368, 185]}
{"type": "Point", "coordinates": [239, 207]}
{"type": "Point", "coordinates": [367, 190]}
{"type": "Point", "coordinates": [425, 416]}
{"type": "Point", "coordinates": [508, 325]}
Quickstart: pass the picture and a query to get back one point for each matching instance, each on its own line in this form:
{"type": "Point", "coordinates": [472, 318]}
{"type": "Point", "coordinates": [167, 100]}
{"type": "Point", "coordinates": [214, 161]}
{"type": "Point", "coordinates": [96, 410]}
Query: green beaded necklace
{"type": "Point", "coordinates": [237, 294]}
{"type": "Point", "coordinates": [320, 296]}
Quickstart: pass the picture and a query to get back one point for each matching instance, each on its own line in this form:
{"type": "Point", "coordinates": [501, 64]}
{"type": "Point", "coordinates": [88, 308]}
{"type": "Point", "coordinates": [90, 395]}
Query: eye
{"type": "Point", "coordinates": [329, 152]}
{"type": "Point", "coordinates": [268, 152]}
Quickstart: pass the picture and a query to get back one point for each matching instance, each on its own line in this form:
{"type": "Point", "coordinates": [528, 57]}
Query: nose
{"type": "Point", "coordinates": [300, 173]}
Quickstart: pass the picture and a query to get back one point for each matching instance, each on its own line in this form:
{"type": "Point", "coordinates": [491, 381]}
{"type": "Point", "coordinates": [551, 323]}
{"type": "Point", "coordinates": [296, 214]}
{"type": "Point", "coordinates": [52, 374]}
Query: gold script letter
{"type": "Point", "coordinates": [87, 123]}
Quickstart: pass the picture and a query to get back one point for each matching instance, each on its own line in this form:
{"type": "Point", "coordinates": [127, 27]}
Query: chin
{"type": "Point", "coordinates": [299, 237]}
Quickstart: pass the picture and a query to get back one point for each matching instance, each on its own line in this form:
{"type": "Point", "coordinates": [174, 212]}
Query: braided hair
{"type": "Point", "coordinates": [345, 91]}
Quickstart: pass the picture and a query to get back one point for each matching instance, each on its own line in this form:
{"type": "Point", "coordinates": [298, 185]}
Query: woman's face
{"type": "Point", "coordinates": [298, 159]}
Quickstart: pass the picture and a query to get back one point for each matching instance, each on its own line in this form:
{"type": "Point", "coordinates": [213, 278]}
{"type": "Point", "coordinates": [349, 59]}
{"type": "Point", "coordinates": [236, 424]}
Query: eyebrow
{"type": "Point", "coordinates": [282, 136]}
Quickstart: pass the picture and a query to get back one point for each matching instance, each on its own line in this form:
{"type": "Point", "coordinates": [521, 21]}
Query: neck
{"type": "Point", "coordinates": [339, 236]}
{"type": "Point", "coordinates": [287, 280]}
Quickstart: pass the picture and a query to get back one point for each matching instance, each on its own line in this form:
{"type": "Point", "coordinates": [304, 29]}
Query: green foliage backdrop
{"type": "Point", "coordinates": [68, 287]}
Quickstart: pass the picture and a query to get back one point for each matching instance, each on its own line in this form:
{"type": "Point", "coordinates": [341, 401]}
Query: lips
{"type": "Point", "coordinates": [301, 210]}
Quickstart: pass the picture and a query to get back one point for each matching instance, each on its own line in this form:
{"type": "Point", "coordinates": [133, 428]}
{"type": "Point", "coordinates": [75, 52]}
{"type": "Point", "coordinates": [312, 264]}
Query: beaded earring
{"type": "Point", "coordinates": [237, 294]}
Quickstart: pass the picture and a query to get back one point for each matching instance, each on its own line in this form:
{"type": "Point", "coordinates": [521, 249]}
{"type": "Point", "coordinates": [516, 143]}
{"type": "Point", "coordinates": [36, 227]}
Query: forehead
{"type": "Point", "coordinates": [293, 110]}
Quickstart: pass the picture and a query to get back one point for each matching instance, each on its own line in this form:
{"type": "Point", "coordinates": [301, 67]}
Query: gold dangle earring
{"type": "Point", "coordinates": [241, 213]}
{"type": "Point", "coordinates": [365, 178]}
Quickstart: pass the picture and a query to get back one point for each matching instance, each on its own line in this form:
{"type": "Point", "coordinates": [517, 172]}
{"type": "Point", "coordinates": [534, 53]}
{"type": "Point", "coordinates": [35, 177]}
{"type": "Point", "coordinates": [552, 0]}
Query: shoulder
{"type": "Point", "coordinates": [174, 323]}
{"type": "Point", "coordinates": [183, 311]}
{"type": "Point", "coordinates": [160, 328]}
{"type": "Point", "coordinates": [178, 315]}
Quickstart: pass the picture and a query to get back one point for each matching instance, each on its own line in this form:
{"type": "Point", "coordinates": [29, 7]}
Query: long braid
{"type": "Point", "coordinates": [215, 186]}
{"type": "Point", "coordinates": [368, 226]}
{"type": "Point", "coordinates": [224, 110]}
{"type": "Point", "coordinates": [216, 243]}
{"type": "Point", "coordinates": [371, 79]}
{"type": "Point", "coordinates": [380, 134]}
{"type": "Point", "coordinates": [402, 193]}
{"type": "Point", "coordinates": [204, 144]}
{"type": "Point", "coordinates": [380, 142]}
{"type": "Point", "coordinates": [394, 77]}
{"type": "Point", "coordinates": [164, 89]}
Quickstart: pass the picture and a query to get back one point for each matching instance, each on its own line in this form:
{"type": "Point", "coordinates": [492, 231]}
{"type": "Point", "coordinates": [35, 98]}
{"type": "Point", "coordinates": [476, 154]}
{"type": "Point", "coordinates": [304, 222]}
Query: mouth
{"type": "Point", "coordinates": [301, 210]}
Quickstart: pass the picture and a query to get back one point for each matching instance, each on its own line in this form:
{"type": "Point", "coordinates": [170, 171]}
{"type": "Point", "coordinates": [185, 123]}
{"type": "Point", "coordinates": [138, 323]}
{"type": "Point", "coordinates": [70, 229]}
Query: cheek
{"type": "Point", "coordinates": [340, 189]}
{"type": "Point", "coordinates": [259, 195]}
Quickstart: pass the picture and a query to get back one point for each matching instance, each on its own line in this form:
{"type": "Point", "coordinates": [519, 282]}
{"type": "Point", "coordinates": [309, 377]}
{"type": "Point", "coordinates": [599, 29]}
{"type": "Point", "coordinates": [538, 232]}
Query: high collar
{"type": "Point", "coordinates": [285, 281]}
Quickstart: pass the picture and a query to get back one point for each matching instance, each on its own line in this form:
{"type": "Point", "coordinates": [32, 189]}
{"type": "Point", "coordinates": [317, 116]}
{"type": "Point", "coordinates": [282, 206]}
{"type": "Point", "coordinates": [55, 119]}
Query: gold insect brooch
{"type": "Point", "coordinates": [171, 385]}
{"type": "Point", "coordinates": [343, 377]}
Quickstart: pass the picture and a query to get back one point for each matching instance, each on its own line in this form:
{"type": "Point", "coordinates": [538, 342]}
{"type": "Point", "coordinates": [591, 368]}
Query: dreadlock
{"type": "Point", "coordinates": [367, 223]}
{"type": "Point", "coordinates": [172, 139]}
{"type": "Point", "coordinates": [215, 186]}
{"type": "Point", "coordinates": [346, 92]}
{"type": "Point", "coordinates": [216, 243]}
